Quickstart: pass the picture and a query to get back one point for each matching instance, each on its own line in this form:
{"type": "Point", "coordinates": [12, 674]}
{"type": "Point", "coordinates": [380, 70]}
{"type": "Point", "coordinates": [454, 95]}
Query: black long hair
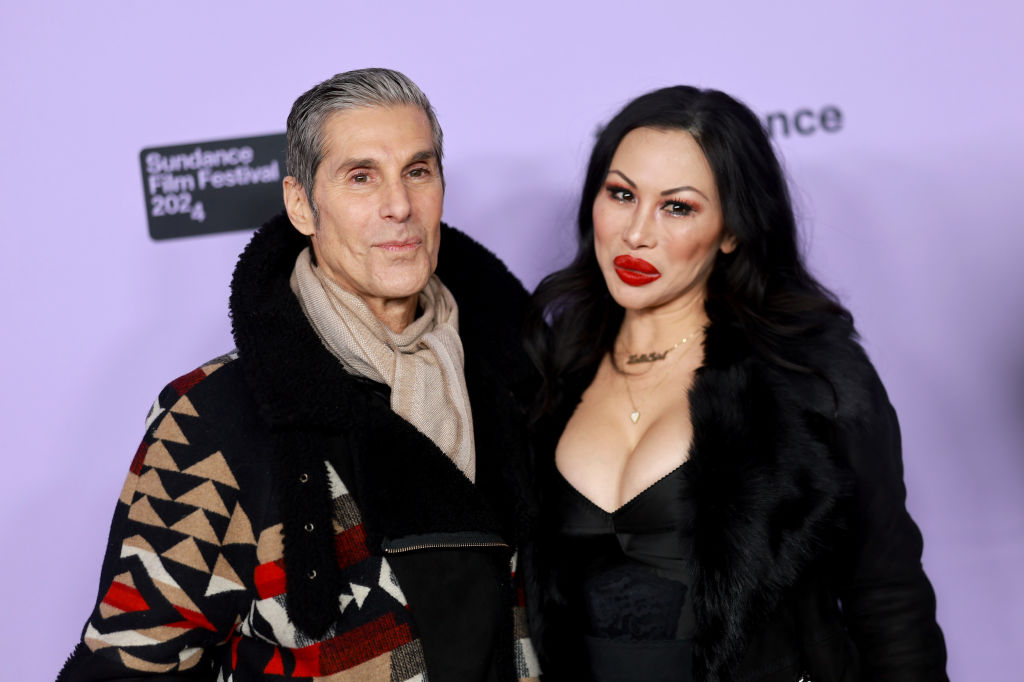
{"type": "Point", "coordinates": [762, 285]}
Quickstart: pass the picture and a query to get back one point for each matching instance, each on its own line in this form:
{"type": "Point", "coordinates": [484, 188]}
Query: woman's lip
{"type": "Point", "coordinates": [635, 272]}
{"type": "Point", "coordinates": [635, 279]}
{"type": "Point", "coordinates": [639, 265]}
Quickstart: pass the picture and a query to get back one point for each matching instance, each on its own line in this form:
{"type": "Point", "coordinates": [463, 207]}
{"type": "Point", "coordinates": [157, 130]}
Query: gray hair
{"type": "Point", "coordinates": [357, 89]}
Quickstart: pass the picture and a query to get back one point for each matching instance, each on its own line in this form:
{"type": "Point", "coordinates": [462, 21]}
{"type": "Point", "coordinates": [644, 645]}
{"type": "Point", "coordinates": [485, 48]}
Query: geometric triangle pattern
{"type": "Point", "coordinates": [154, 413]}
{"type": "Point", "coordinates": [334, 481]}
{"type": "Point", "coordinates": [184, 406]}
{"type": "Point", "coordinates": [198, 526]}
{"type": "Point", "coordinates": [224, 579]}
{"type": "Point", "coordinates": [142, 511]}
{"type": "Point", "coordinates": [169, 430]}
{"type": "Point", "coordinates": [214, 468]}
{"type": "Point", "coordinates": [186, 552]}
{"type": "Point", "coordinates": [239, 529]}
{"type": "Point", "coordinates": [128, 489]}
{"type": "Point", "coordinates": [360, 592]}
{"type": "Point", "coordinates": [158, 457]}
{"type": "Point", "coordinates": [149, 484]}
{"type": "Point", "coordinates": [205, 496]}
{"type": "Point", "coordinates": [388, 581]}
{"type": "Point", "coordinates": [223, 569]}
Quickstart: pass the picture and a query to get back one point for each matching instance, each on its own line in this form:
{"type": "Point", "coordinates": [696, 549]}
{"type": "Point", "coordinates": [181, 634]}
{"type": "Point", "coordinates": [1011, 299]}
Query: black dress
{"type": "Point", "coordinates": [630, 579]}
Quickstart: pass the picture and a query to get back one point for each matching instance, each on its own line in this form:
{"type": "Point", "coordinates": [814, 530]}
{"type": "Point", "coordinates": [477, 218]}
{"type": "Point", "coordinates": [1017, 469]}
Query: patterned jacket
{"type": "Point", "coordinates": [280, 521]}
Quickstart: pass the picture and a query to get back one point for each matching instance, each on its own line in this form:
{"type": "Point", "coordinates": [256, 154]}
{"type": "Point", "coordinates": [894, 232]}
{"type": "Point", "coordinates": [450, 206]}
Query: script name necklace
{"type": "Point", "coordinates": [654, 356]}
{"type": "Point", "coordinates": [634, 416]}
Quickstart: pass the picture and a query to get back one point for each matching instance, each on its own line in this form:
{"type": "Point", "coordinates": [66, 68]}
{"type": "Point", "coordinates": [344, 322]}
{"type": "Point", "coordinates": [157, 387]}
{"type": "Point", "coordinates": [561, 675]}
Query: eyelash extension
{"type": "Point", "coordinates": [613, 189]}
{"type": "Point", "coordinates": [690, 206]}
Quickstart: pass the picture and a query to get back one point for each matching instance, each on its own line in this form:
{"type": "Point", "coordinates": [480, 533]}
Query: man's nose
{"type": "Point", "coordinates": [395, 205]}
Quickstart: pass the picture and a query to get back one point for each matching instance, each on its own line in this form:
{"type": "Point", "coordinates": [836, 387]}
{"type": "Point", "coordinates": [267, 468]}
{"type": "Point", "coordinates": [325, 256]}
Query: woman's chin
{"type": "Point", "coordinates": [635, 298]}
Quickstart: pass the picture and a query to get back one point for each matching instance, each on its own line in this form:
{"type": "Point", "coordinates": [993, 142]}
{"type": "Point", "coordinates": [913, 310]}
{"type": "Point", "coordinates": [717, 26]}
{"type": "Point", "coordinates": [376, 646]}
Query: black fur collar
{"type": "Point", "coordinates": [767, 487]}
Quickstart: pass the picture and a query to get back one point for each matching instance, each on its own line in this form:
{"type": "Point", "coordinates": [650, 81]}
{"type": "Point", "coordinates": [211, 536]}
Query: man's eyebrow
{"type": "Point", "coordinates": [623, 176]}
{"type": "Point", "coordinates": [425, 155]}
{"type": "Point", "coordinates": [356, 163]}
{"type": "Point", "coordinates": [684, 188]}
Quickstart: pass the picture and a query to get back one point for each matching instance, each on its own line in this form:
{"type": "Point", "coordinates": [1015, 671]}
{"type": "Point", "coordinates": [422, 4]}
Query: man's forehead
{"type": "Point", "coordinates": [385, 127]}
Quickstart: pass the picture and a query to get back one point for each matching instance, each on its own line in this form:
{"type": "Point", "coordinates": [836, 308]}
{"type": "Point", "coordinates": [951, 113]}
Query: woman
{"type": "Point", "coordinates": [721, 468]}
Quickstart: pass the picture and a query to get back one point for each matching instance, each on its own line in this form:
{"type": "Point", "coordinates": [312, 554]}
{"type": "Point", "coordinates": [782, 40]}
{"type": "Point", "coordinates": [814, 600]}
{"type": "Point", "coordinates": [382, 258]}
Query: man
{"type": "Point", "coordinates": [341, 497]}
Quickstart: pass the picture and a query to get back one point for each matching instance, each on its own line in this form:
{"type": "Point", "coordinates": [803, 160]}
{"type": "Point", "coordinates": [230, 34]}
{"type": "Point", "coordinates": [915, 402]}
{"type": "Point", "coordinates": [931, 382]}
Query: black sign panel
{"type": "Point", "coordinates": [216, 186]}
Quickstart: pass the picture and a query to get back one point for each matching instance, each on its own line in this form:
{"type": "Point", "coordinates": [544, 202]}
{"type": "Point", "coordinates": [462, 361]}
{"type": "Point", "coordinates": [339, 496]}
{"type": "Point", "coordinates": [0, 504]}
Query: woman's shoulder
{"type": "Point", "coordinates": [819, 365]}
{"type": "Point", "coordinates": [837, 362]}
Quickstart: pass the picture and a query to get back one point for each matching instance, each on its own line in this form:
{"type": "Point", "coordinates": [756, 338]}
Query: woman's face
{"type": "Point", "coordinates": [658, 221]}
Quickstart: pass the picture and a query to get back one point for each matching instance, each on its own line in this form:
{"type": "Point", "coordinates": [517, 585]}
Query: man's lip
{"type": "Point", "coordinates": [625, 262]}
{"type": "Point", "coordinates": [399, 244]}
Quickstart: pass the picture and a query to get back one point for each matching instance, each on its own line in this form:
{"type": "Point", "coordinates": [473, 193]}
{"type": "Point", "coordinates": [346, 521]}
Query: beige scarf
{"type": "Point", "coordinates": [423, 364]}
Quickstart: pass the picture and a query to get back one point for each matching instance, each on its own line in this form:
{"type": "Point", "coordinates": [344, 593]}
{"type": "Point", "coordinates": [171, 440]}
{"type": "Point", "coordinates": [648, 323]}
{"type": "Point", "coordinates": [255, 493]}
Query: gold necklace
{"type": "Point", "coordinates": [654, 356]}
{"type": "Point", "coordinates": [634, 416]}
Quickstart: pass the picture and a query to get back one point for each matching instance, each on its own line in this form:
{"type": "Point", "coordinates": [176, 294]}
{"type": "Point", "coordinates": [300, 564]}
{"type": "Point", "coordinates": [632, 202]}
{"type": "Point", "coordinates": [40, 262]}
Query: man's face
{"type": "Point", "coordinates": [379, 194]}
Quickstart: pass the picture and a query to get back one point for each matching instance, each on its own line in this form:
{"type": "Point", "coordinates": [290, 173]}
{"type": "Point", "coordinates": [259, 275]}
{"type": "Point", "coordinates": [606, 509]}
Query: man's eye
{"type": "Point", "coordinates": [419, 172]}
{"type": "Point", "coordinates": [360, 178]}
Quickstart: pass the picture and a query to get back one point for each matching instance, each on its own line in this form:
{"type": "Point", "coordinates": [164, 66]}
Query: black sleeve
{"type": "Point", "coordinates": [887, 601]}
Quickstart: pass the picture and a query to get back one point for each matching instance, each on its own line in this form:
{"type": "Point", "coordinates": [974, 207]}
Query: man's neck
{"type": "Point", "coordinates": [395, 313]}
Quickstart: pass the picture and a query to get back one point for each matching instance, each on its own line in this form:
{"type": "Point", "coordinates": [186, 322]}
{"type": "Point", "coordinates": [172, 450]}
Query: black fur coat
{"type": "Point", "coordinates": [806, 562]}
{"type": "Point", "coordinates": [281, 521]}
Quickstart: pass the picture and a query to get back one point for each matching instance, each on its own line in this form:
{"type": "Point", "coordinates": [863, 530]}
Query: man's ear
{"type": "Point", "coordinates": [297, 205]}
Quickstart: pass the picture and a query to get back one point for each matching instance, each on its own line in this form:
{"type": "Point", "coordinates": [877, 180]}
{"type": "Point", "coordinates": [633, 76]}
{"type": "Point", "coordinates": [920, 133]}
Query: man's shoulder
{"type": "Point", "coordinates": [492, 304]}
{"type": "Point", "coordinates": [470, 270]}
{"type": "Point", "coordinates": [203, 391]}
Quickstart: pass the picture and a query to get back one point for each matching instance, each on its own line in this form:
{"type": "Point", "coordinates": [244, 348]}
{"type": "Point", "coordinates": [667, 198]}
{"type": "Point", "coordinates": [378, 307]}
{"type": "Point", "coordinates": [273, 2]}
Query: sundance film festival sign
{"type": "Point", "coordinates": [216, 186]}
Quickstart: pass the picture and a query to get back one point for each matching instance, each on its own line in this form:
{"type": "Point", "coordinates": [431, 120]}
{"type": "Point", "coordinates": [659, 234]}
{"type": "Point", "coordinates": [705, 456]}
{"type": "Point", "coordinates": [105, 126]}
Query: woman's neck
{"type": "Point", "coordinates": [648, 330]}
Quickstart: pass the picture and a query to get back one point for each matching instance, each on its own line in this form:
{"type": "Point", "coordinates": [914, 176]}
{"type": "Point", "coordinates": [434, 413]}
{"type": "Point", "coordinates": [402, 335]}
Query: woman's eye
{"type": "Point", "coordinates": [680, 208]}
{"type": "Point", "coordinates": [620, 194]}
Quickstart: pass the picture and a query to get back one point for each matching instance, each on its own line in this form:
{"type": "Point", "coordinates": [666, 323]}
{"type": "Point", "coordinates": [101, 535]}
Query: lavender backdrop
{"type": "Point", "coordinates": [911, 213]}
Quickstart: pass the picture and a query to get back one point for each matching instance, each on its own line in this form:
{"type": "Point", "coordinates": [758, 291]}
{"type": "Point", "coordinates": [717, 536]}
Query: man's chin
{"type": "Point", "coordinates": [405, 285]}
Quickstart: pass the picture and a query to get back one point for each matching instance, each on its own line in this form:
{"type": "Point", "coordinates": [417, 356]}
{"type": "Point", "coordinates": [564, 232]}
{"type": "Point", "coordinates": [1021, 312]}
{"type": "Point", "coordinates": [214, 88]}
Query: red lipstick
{"type": "Point", "coordinates": [635, 272]}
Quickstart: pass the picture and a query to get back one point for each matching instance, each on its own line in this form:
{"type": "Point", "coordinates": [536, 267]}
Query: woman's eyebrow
{"type": "Point", "coordinates": [684, 188]}
{"type": "Point", "coordinates": [623, 176]}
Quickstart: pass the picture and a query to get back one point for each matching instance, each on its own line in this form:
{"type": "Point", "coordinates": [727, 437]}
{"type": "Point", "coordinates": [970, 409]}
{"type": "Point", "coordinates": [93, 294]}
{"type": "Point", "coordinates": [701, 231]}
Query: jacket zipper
{"type": "Point", "coordinates": [443, 545]}
{"type": "Point", "coordinates": [414, 543]}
